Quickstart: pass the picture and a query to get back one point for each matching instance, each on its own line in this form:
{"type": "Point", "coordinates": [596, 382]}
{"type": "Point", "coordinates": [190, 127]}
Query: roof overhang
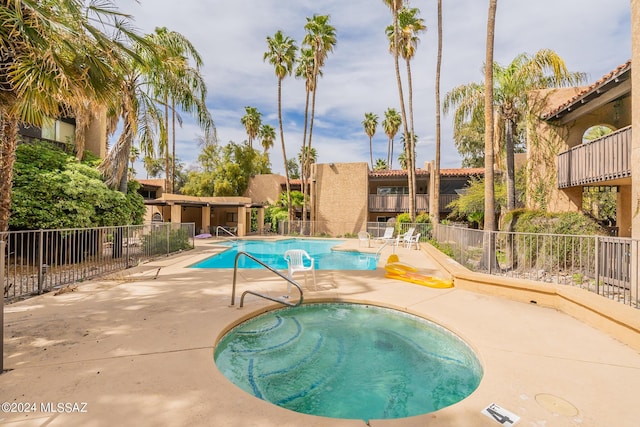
{"type": "Point", "coordinates": [613, 86]}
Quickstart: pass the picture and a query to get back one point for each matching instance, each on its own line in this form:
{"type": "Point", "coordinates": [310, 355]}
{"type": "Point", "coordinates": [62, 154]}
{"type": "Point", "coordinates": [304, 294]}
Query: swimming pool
{"type": "Point", "coordinates": [271, 252]}
{"type": "Point", "coordinates": [352, 361]}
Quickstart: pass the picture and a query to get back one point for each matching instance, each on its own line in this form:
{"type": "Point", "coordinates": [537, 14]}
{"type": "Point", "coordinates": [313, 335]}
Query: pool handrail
{"type": "Point", "coordinates": [233, 236]}
{"type": "Point", "coordinates": [270, 298]}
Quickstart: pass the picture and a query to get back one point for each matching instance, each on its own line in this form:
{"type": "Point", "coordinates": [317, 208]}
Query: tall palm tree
{"type": "Point", "coordinates": [390, 125]}
{"type": "Point", "coordinates": [176, 81]}
{"type": "Point", "coordinates": [267, 135]}
{"type": "Point", "coordinates": [305, 70]}
{"type": "Point", "coordinates": [511, 104]}
{"type": "Point", "coordinates": [39, 82]}
{"type": "Point", "coordinates": [251, 122]}
{"type": "Point", "coordinates": [281, 52]}
{"type": "Point", "coordinates": [409, 26]}
{"type": "Point", "coordinates": [435, 197]}
{"type": "Point", "coordinates": [395, 6]}
{"type": "Point", "coordinates": [489, 258]}
{"type": "Point", "coordinates": [370, 124]}
{"type": "Point", "coordinates": [321, 39]}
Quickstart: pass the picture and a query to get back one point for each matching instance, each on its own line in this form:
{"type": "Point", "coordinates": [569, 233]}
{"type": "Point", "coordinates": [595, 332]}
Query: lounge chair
{"type": "Point", "coordinates": [386, 237]}
{"type": "Point", "coordinates": [363, 236]}
{"type": "Point", "coordinates": [296, 262]}
{"type": "Point", "coordinates": [413, 240]}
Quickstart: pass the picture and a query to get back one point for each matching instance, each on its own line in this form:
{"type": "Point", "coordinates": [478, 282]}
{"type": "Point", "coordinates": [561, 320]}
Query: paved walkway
{"type": "Point", "coordinates": [134, 350]}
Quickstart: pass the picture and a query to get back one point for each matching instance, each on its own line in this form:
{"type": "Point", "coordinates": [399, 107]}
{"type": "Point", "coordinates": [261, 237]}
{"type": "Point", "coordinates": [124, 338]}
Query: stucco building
{"type": "Point", "coordinates": [562, 164]}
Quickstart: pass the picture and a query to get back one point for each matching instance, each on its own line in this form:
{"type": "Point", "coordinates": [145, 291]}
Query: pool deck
{"type": "Point", "coordinates": [138, 350]}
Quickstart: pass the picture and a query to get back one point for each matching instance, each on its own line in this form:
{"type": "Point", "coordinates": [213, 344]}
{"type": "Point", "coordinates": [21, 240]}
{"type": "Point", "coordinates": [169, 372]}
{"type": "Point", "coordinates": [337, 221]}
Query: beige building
{"type": "Point", "coordinates": [562, 164]}
{"type": "Point", "coordinates": [343, 198]}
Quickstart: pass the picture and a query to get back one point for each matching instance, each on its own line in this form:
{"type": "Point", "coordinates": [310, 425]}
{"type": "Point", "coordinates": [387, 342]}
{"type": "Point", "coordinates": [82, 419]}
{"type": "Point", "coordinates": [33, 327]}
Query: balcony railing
{"type": "Point", "coordinates": [400, 202]}
{"type": "Point", "coordinates": [601, 160]}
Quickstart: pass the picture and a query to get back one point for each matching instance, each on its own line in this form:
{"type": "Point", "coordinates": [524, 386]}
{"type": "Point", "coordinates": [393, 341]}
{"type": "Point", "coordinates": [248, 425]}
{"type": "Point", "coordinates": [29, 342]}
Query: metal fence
{"type": "Point", "coordinates": [607, 266]}
{"type": "Point", "coordinates": [349, 229]}
{"type": "Point", "coordinates": [38, 261]}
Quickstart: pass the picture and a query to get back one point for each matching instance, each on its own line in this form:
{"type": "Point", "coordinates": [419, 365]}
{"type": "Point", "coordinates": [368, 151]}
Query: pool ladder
{"type": "Point", "coordinates": [258, 294]}
{"type": "Point", "coordinates": [233, 237]}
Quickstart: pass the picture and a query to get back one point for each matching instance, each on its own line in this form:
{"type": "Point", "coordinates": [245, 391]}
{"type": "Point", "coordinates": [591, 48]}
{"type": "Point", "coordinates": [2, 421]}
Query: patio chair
{"type": "Point", "coordinates": [296, 262]}
{"type": "Point", "coordinates": [413, 240]}
{"type": "Point", "coordinates": [386, 237]}
{"type": "Point", "coordinates": [363, 236]}
{"type": "Point", "coordinates": [406, 237]}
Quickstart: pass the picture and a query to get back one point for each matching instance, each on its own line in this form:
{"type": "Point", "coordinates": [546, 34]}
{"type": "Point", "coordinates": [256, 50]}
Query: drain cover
{"type": "Point", "coordinates": [556, 404]}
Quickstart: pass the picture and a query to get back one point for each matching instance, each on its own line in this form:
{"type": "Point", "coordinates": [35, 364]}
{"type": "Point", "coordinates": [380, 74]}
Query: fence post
{"type": "Point", "coordinates": [40, 250]}
{"type": "Point", "coordinates": [168, 237]}
{"type": "Point", "coordinates": [597, 259]}
{"type": "Point", "coordinates": [128, 245]}
{"type": "Point", "coordinates": [2, 246]}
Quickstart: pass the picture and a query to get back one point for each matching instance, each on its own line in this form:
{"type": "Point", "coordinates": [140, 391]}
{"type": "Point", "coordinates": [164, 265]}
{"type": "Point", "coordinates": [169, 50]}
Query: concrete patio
{"type": "Point", "coordinates": [134, 349]}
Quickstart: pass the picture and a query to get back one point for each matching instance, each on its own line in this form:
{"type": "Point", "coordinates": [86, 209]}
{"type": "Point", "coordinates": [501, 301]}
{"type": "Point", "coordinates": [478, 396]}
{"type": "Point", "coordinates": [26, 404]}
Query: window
{"type": "Point", "coordinates": [232, 217]}
{"type": "Point", "coordinates": [383, 191]}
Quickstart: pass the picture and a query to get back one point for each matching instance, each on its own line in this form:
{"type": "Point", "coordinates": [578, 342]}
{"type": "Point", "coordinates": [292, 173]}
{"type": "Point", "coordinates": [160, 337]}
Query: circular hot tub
{"type": "Point", "coordinates": [351, 361]}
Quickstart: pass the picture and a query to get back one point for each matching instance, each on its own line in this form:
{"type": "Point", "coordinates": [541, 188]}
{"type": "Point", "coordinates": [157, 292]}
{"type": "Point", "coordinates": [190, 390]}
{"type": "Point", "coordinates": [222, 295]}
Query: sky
{"type": "Point", "coordinates": [592, 36]}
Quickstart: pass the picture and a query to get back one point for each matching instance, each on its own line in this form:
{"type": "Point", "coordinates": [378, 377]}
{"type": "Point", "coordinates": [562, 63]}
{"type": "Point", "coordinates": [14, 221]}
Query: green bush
{"type": "Point", "coordinates": [155, 243]}
{"type": "Point", "coordinates": [51, 189]}
{"type": "Point", "coordinates": [544, 245]}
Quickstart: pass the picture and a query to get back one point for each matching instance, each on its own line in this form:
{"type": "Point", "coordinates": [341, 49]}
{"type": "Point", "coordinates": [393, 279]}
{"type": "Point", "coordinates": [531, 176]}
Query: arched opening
{"type": "Point", "coordinates": [595, 132]}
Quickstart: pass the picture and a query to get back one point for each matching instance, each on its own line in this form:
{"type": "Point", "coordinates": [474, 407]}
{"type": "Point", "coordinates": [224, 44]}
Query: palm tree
{"type": "Point", "coordinates": [381, 164]}
{"type": "Point", "coordinates": [403, 158]}
{"type": "Point", "coordinates": [311, 156]}
{"type": "Point", "coordinates": [135, 107]}
{"type": "Point", "coordinates": [281, 52]}
{"type": "Point", "coordinates": [489, 258]}
{"type": "Point", "coordinates": [435, 196]}
{"type": "Point", "coordinates": [40, 82]}
{"type": "Point", "coordinates": [390, 125]}
{"type": "Point", "coordinates": [409, 26]}
{"type": "Point", "coordinates": [267, 135]}
{"type": "Point", "coordinates": [511, 88]}
{"type": "Point", "coordinates": [177, 82]}
{"type": "Point", "coordinates": [395, 6]}
{"type": "Point", "coordinates": [251, 122]}
{"type": "Point", "coordinates": [321, 39]}
{"type": "Point", "coordinates": [370, 124]}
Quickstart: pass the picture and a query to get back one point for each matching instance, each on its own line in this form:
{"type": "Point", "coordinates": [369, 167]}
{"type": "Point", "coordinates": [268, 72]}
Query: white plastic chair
{"type": "Point", "coordinates": [406, 237]}
{"type": "Point", "coordinates": [415, 239]}
{"type": "Point", "coordinates": [296, 262]}
{"type": "Point", "coordinates": [388, 235]}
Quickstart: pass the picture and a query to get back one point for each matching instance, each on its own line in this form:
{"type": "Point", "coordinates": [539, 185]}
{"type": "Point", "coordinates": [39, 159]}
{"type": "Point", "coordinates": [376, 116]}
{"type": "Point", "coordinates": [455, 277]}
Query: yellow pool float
{"type": "Point", "coordinates": [401, 271]}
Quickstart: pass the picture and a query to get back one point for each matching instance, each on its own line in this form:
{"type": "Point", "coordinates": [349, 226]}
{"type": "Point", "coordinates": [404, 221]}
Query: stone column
{"type": "Point", "coordinates": [242, 221]}
{"type": "Point", "coordinates": [261, 219]}
{"type": "Point", "coordinates": [206, 219]}
{"type": "Point", "coordinates": [176, 214]}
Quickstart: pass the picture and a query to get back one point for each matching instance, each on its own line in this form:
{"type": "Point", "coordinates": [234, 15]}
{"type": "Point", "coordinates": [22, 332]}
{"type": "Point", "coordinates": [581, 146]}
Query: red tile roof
{"type": "Point", "coordinates": [594, 88]}
{"type": "Point", "coordinates": [424, 172]}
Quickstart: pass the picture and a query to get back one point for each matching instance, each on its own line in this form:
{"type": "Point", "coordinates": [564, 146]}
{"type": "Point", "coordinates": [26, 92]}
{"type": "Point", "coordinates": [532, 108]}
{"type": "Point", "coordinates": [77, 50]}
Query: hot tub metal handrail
{"type": "Point", "coordinates": [233, 237]}
{"type": "Point", "coordinates": [268, 267]}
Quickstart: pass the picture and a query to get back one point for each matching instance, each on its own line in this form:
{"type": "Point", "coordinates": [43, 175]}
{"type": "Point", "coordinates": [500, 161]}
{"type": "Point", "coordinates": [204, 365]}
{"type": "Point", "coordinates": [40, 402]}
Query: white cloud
{"type": "Point", "coordinates": [592, 36]}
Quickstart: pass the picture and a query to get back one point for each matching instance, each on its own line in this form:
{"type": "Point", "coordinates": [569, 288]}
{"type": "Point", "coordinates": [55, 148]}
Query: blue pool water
{"type": "Point", "coordinates": [348, 361]}
{"type": "Point", "coordinates": [271, 252]}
